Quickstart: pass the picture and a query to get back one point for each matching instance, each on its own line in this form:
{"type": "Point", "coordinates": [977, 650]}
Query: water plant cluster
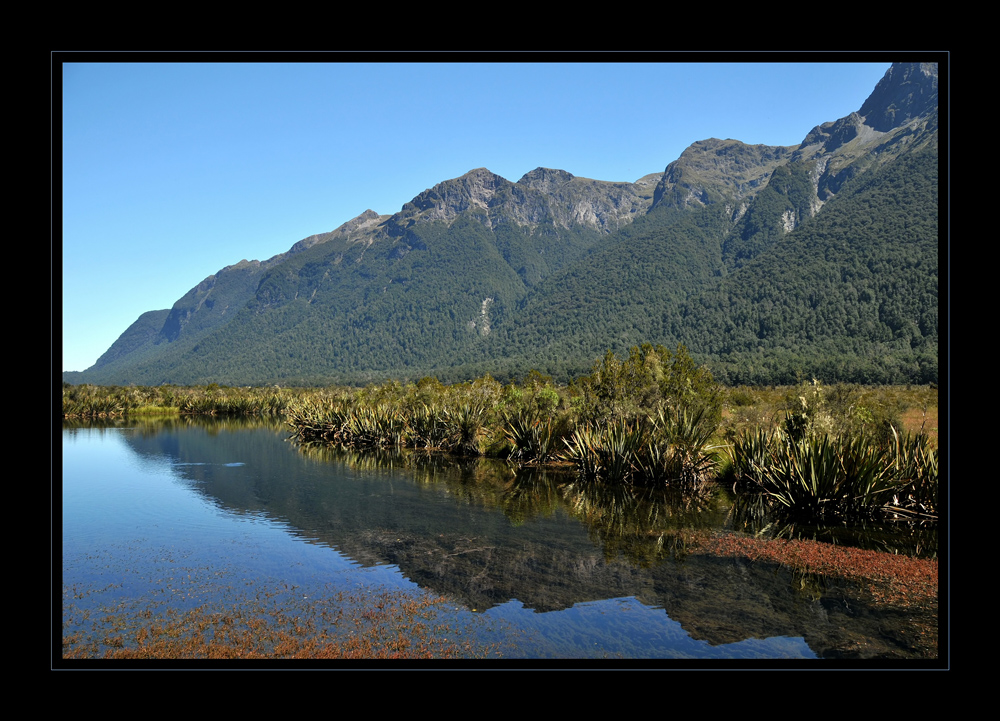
{"type": "Point", "coordinates": [386, 625]}
{"type": "Point", "coordinates": [823, 475]}
{"type": "Point", "coordinates": [653, 417]}
{"type": "Point", "coordinates": [670, 446]}
{"type": "Point", "coordinates": [819, 463]}
{"type": "Point", "coordinates": [103, 402]}
{"type": "Point", "coordinates": [462, 419]}
{"type": "Point", "coordinates": [649, 416]}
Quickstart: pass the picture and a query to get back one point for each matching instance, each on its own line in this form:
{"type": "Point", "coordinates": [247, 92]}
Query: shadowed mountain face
{"type": "Point", "coordinates": [768, 262]}
{"type": "Point", "coordinates": [907, 92]}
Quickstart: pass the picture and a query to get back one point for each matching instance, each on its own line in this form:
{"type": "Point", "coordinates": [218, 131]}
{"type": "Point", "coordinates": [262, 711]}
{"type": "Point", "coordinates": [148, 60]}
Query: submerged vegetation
{"type": "Point", "coordinates": [389, 625]}
{"type": "Point", "coordinates": [653, 417]}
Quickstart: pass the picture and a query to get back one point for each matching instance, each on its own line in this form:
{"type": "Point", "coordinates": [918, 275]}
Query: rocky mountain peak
{"type": "Point", "coordinates": [445, 200]}
{"type": "Point", "coordinates": [836, 134]}
{"type": "Point", "coordinates": [906, 91]}
{"type": "Point", "coordinates": [546, 180]}
{"type": "Point", "coordinates": [360, 224]}
{"type": "Point", "coordinates": [715, 170]}
{"type": "Point", "coordinates": [901, 111]}
{"type": "Point", "coordinates": [366, 219]}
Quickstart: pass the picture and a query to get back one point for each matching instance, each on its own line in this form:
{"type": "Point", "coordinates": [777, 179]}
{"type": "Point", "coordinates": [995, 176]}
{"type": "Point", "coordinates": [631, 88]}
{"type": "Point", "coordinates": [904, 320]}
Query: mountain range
{"type": "Point", "coordinates": [770, 263]}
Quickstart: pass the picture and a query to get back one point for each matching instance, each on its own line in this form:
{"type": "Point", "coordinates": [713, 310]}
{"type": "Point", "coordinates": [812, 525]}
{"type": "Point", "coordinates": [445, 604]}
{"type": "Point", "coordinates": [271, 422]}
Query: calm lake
{"type": "Point", "coordinates": [187, 512]}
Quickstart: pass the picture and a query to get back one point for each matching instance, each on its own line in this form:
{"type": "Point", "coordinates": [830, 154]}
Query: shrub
{"type": "Point", "coordinates": [670, 447]}
{"type": "Point", "coordinates": [820, 475]}
{"type": "Point", "coordinates": [648, 378]}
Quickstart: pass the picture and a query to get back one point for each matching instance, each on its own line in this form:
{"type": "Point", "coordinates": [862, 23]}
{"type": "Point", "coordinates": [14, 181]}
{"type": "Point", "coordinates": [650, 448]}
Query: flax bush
{"type": "Point", "coordinates": [821, 475]}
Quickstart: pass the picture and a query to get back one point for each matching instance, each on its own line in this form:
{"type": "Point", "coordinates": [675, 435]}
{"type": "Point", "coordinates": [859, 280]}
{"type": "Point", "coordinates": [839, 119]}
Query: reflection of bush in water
{"type": "Point", "coordinates": [645, 524]}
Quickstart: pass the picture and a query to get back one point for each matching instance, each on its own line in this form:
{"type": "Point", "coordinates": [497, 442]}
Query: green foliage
{"type": "Point", "coordinates": [428, 427]}
{"type": "Point", "coordinates": [650, 377]}
{"type": "Point", "coordinates": [819, 476]}
{"type": "Point", "coordinates": [849, 295]}
{"type": "Point", "coordinates": [607, 452]}
{"type": "Point", "coordinates": [538, 395]}
{"type": "Point", "coordinates": [669, 448]}
{"type": "Point", "coordinates": [88, 400]}
{"type": "Point", "coordinates": [788, 195]}
{"type": "Point", "coordinates": [813, 409]}
{"type": "Point", "coordinates": [466, 429]}
{"type": "Point", "coordinates": [808, 414]}
{"type": "Point", "coordinates": [679, 448]}
{"type": "Point", "coordinates": [532, 438]}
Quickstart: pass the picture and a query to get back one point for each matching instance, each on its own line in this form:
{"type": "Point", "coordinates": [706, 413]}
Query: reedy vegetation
{"type": "Point", "coordinates": [817, 464]}
{"type": "Point", "coordinates": [653, 417]}
{"type": "Point", "coordinates": [111, 401]}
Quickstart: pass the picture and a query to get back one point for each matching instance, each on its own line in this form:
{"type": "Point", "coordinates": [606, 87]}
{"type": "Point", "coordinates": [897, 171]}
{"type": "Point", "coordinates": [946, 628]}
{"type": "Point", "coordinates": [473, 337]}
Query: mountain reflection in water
{"type": "Point", "coordinates": [536, 548]}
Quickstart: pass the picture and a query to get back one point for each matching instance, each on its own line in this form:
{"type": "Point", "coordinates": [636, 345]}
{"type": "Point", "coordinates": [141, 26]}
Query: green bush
{"type": "Point", "coordinates": [820, 475]}
{"type": "Point", "coordinates": [650, 377]}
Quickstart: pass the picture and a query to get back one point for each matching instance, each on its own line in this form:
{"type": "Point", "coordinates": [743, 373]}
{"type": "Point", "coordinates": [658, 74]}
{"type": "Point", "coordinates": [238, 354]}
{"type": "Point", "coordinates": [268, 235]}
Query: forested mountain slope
{"type": "Point", "coordinates": [851, 294]}
{"type": "Point", "coordinates": [769, 263]}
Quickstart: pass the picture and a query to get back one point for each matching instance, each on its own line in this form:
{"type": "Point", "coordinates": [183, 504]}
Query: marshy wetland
{"type": "Point", "coordinates": [188, 534]}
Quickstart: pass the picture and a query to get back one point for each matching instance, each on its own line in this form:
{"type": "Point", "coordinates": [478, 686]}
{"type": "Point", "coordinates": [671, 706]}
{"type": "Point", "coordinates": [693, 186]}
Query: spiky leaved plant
{"type": "Point", "coordinates": [916, 469]}
{"type": "Point", "coordinates": [610, 452]}
{"type": "Point", "coordinates": [583, 450]}
{"type": "Point", "coordinates": [822, 475]}
{"type": "Point", "coordinates": [622, 442]}
{"type": "Point", "coordinates": [802, 475]}
{"type": "Point", "coordinates": [466, 428]}
{"type": "Point", "coordinates": [381, 425]}
{"type": "Point", "coordinates": [428, 426]}
{"type": "Point", "coordinates": [530, 436]}
{"type": "Point", "coordinates": [677, 449]}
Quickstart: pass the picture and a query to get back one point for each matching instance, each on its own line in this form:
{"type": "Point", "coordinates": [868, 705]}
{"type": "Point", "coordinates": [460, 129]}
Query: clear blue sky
{"type": "Point", "coordinates": [172, 171]}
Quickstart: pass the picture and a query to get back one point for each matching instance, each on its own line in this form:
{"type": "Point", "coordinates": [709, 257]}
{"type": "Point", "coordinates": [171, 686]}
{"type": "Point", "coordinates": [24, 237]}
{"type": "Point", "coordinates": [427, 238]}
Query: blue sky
{"type": "Point", "coordinates": [172, 171]}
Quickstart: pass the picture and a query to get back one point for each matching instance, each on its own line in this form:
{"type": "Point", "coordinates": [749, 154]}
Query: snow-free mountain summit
{"type": "Point", "coordinates": [767, 262]}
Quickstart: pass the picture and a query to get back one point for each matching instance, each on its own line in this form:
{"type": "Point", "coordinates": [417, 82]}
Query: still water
{"type": "Point", "coordinates": [184, 513]}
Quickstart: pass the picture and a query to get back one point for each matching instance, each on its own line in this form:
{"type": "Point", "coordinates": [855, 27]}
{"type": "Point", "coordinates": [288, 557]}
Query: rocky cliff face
{"type": "Point", "coordinates": [899, 116]}
{"type": "Point", "coordinates": [541, 197]}
{"type": "Point", "coordinates": [476, 189]}
{"type": "Point", "coordinates": [907, 91]}
{"type": "Point", "coordinates": [598, 204]}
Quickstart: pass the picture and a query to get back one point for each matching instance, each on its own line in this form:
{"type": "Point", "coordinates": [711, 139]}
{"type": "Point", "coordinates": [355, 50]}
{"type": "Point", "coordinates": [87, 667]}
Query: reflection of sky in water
{"type": "Point", "coordinates": [136, 522]}
{"type": "Point", "coordinates": [625, 628]}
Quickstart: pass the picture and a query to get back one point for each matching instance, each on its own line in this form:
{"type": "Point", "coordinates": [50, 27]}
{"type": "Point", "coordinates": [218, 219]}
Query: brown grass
{"type": "Point", "coordinates": [916, 420]}
{"type": "Point", "coordinates": [890, 578]}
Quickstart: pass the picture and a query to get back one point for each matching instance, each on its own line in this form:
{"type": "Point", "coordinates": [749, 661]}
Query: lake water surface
{"type": "Point", "coordinates": [190, 512]}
